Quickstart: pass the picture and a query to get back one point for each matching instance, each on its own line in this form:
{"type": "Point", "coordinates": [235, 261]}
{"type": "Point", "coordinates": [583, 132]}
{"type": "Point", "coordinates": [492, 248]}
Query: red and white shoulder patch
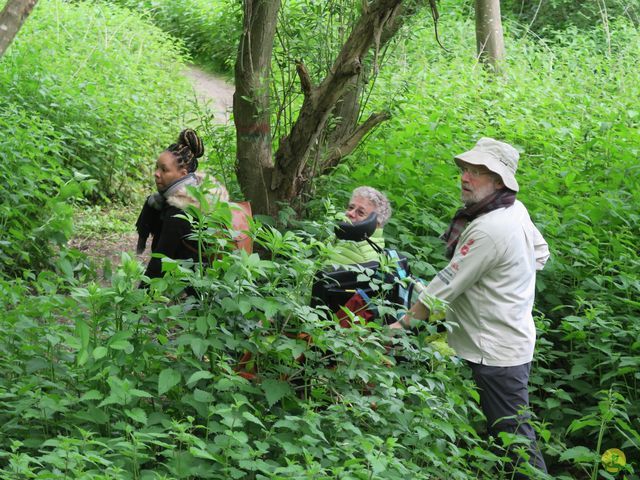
{"type": "Point", "coordinates": [466, 247]}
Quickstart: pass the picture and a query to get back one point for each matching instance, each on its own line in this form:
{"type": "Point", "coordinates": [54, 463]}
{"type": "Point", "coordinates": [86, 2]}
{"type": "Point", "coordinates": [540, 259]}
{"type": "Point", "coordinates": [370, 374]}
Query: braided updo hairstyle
{"type": "Point", "coordinates": [187, 150]}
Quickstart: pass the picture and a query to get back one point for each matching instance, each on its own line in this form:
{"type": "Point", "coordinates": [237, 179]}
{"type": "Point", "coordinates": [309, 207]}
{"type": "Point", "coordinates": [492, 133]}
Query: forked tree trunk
{"type": "Point", "coordinates": [347, 111]}
{"type": "Point", "coordinates": [13, 15]}
{"type": "Point", "coordinates": [266, 180]}
{"type": "Point", "coordinates": [489, 36]}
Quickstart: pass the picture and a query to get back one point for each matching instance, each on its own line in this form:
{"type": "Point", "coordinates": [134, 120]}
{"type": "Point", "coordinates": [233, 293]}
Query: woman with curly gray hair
{"type": "Point", "coordinates": [364, 202]}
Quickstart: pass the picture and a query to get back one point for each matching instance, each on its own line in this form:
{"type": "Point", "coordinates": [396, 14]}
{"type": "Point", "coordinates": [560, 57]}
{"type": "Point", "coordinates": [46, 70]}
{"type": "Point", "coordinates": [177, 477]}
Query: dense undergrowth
{"type": "Point", "coordinates": [89, 92]}
{"type": "Point", "coordinates": [118, 382]}
{"type": "Point", "coordinates": [568, 103]}
{"type": "Point", "coordinates": [545, 17]}
{"type": "Point", "coordinates": [209, 29]}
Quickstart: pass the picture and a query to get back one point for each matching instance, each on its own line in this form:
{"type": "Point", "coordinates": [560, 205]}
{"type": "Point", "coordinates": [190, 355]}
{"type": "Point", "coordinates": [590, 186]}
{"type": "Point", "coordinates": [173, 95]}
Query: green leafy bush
{"type": "Point", "coordinates": [109, 84]}
{"type": "Point", "coordinates": [140, 386]}
{"type": "Point", "coordinates": [553, 15]}
{"type": "Point", "coordinates": [210, 30]}
{"type": "Point", "coordinates": [34, 188]}
{"type": "Point", "coordinates": [89, 92]}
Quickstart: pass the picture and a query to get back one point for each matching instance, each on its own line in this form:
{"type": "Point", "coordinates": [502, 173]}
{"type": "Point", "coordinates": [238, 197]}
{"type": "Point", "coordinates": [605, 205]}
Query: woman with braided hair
{"type": "Point", "coordinates": [175, 171]}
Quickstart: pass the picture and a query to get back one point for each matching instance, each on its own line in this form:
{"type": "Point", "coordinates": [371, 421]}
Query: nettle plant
{"type": "Point", "coordinates": [241, 379]}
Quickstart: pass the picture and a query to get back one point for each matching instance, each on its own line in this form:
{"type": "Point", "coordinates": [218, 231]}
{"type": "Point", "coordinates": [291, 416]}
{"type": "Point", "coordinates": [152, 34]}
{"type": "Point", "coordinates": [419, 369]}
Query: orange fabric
{"type": "Point", "coordinates": [356, 305]}
{"type": "Point", "coordinates": [240, 219]}
{"type": "Point", "coordinates": [240, 222]}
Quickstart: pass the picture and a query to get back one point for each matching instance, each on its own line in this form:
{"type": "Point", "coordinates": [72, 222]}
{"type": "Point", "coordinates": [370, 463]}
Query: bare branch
{"type": "Point", "coordinates": [381, 26]}
{"type": "Point", "coordinates": [436, 16]}
{"type": "Point", "coordinates": [349, 144]}
{"type": "Point", "coordinates": [294, 149]}
{"type": "Point", "coordinates": [305, 79]}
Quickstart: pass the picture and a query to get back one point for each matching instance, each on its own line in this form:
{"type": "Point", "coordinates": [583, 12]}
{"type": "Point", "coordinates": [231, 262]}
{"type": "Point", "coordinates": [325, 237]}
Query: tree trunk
{"type": "Point", "coordinates": [263, 181]}
{"type": "Point", "coordinates": [13, 15]}
{"type": "Point", "coordinates": [347, 110]}
{"type": "Point", "coordinates": [489, 37]}
{"type": "Point", "coordinates": [251, 108]}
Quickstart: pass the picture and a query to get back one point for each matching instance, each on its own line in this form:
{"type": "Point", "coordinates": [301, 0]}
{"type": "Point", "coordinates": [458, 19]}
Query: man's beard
{"type": "Point", "coordinates": [470, 198]}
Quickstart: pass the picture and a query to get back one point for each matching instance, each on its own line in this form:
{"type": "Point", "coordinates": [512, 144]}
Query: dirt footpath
{"type": "Point", "coordinates": [213, 90]}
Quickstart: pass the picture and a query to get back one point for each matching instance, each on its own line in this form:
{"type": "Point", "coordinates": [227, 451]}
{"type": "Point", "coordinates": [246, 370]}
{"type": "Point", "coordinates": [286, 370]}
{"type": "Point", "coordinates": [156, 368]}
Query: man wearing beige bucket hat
{"type": "Point", "coordinates": [488, 287]}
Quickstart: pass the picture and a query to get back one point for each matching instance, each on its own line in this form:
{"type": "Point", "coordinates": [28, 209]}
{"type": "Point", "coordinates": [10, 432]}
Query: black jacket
{"type": "Point", "coordinates": [171, 240]}
{"type": "Point", "coordinates": [170, 233]}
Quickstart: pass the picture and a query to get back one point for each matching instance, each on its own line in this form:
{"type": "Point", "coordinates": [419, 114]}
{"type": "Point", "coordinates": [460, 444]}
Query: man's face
{"type": "Point", "coordinates": [359, 209]}
{"type": "Point", "coordinates": [477, 182]}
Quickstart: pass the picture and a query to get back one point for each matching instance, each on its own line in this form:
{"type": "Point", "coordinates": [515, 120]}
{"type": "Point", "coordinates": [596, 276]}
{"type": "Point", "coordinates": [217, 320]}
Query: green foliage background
{"type": "Point", "coordinates": [568, 104]}
{"type": "Point", "coordinates": [89, 92]}
{"type": "Point", "coordinates": [110, 381]}
{"type": "Point", "coordinates": [545, 17]}
{"type": "Point", "coordinates": [210, 29]}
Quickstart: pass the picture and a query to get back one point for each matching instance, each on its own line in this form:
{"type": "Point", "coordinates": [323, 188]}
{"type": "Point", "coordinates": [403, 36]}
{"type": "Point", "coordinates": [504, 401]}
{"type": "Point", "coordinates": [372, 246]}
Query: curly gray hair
{"type": "Point", "coordinates": [380, 202]}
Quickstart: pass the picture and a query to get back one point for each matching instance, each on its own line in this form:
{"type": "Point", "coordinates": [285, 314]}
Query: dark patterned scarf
{"type": "Point", "coordinates": [499, 199]}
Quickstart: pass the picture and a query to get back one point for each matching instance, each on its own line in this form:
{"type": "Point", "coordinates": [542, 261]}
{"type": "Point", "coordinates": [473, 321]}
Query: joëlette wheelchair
{"type": "Point", "coordinates": [354, 291]}
{"type": "Point", "coordinates": [359, 288]}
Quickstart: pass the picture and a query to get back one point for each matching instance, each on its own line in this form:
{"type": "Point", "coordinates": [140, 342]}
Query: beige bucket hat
{"type": "Point", "coordinates": [499, 157]}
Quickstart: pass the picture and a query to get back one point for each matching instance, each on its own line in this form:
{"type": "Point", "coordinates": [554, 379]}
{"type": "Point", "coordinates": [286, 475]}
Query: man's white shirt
{"type": "Point", "coordinates": [489, 286]}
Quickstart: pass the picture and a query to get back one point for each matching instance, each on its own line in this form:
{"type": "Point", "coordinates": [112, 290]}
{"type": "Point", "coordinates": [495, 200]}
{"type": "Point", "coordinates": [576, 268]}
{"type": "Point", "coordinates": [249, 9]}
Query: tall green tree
{"type": "Point", "coordinates": [268, 177]}
{"type": "Point", "coordinates": [13, 15]}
